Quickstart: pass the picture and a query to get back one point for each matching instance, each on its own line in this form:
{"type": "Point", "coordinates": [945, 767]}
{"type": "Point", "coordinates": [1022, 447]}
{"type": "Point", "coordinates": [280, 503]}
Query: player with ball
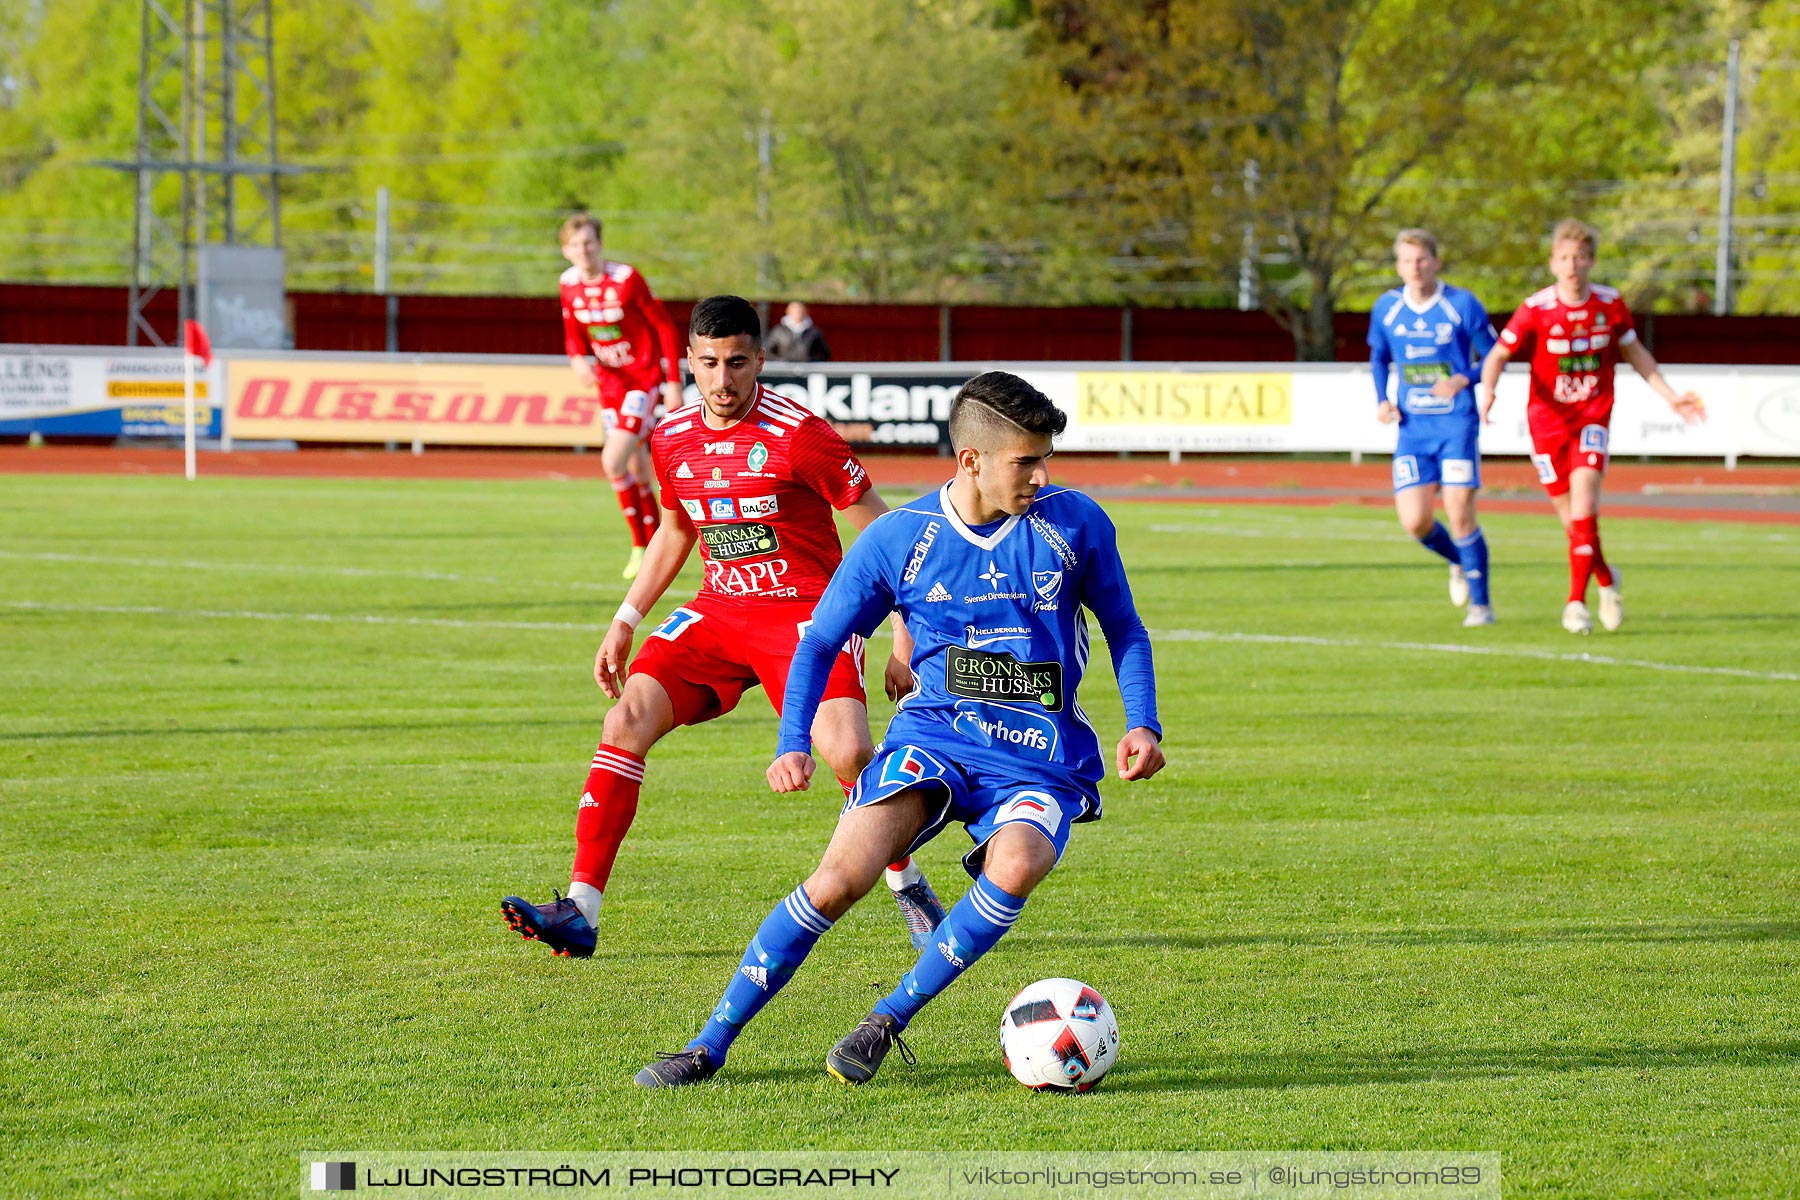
{"type": "Point", "coordinates": [991, 574]}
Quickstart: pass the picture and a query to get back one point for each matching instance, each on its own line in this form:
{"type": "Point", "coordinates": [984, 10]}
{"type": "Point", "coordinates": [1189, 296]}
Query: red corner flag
{"type": "Point", "coordinates": [194, 340]}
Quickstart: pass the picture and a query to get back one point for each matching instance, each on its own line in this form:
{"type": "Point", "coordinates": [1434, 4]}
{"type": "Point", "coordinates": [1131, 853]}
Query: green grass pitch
{"type": "Point", "coordinates": [272, 750]}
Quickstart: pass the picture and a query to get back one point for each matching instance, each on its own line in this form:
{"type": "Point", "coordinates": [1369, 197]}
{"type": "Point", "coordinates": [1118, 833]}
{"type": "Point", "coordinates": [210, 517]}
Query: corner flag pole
{"type": "Point", "coordinates": [187, 397]}
{"type": "Point", "coordinates": [195, 346]}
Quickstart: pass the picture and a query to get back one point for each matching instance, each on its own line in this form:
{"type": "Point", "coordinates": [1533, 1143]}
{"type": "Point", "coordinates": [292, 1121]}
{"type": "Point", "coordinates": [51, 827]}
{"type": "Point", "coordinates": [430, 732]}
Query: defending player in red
{"type": "Point", "coordinates": [620, 339]}
{"type": "Point", "coordinates": [1575, 333]}
{"type": "Point", "coordinates": [753, 478]}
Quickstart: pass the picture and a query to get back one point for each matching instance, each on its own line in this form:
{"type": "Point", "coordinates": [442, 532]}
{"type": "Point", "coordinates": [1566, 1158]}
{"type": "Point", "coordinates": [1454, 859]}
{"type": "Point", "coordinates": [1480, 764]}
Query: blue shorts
{"type": "Point", "coordinates": [982, 800]}
{"type": "Point", "coordinates": [1437, 453]}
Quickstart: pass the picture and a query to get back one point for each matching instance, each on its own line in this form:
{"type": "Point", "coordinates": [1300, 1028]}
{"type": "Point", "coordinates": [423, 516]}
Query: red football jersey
{"type": "Point", "coordinates": [621, 323]}
{"type": "Point", "coordinates": [1574, 348]}
{"type": "Point", "coordinates": [760, 493]}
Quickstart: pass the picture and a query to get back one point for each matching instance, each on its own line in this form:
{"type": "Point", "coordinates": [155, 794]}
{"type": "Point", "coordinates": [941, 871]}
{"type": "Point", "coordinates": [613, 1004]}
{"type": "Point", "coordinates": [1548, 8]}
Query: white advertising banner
{"type": "Point", "coordinates": [1252, 408]}
{"type": "Point", "coordinates": [1265, 408]}
{"type": "Point", "coordinates": [55, 391]}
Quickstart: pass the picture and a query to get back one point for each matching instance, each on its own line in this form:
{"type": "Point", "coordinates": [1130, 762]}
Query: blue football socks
{"type": "Point", "coordinates": [1440, 543]}
{"type": "Point", "coordinates": [786, 936]}
{"type": "Point", "coordinates": [1473, 555]}
{"type": "Point", "coordinates": [973, 927]}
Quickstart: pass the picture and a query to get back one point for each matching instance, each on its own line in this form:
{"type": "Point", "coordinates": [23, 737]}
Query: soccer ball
{"type": "Point", "coordinates": [1059, 1034]}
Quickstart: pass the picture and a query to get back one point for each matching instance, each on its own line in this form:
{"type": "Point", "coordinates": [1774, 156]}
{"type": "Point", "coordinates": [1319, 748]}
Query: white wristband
{"type": "Point", "coordinates": [629, 615]}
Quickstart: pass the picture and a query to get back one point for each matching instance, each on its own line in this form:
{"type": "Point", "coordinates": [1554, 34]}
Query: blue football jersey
{"type": "Point", "coordinates": [1449, 335]}
{"type": "Point", "coordinates": [1001, 636]}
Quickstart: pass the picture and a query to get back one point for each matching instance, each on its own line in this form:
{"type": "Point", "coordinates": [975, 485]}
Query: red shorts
{"type": "Point", "coordinates": [1565, 437]}
{"type": "Point", "coordinates": [627, 403]}
{"type": "Point", "coordinates": [705, 654]}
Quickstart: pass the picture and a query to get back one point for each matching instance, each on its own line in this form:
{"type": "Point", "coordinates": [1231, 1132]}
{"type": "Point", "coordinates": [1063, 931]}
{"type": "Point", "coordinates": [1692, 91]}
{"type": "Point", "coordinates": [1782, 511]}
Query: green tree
{"type": "Point", "coordinates": [1768, 229]}
{"type": "Point", "coordinates": [843, 149]}
{"type": "Point", "coordinates": [1312, 129]}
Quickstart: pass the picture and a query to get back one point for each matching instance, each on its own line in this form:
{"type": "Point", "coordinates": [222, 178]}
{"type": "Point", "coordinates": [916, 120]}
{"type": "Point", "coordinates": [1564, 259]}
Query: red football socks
{"type": "Point", "coordinates": [647, 516]}
{"type": "Point", "coordinates": [608, 806]}
{"type": "Point", "coordinates": [630, 494]}
{"type": "Point", "coordinates": [1585, 558]}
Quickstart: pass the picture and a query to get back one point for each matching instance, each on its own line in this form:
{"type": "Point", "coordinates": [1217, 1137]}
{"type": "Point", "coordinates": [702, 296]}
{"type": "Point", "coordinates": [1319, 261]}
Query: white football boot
{"type": "Point", "coordinates": [1576, 619]}
{"type": "Point", "coordinates": [1612, 604]}
{"type": "Point", "coordinates": [1459, 586]}
{"type": "Point", "coordinates": [1478, 614]}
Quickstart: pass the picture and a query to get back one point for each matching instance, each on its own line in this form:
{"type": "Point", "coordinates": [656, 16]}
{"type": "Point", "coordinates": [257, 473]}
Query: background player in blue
{"type": "Point", "coordinates": [1437, 335]}
{"type": "Point", "coordinates": [991, 574]}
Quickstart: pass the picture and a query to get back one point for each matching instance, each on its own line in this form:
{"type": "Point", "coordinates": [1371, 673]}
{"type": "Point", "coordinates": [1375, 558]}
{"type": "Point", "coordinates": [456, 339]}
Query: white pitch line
{"type": "Point", "coordinates": [1170, 635]}
{"type": "Point", "coordinates": [164, 564]}
{"type": "Point", "coordinates": [220, 614]}
{"type": "Point", "coordinates": [1603, 660]}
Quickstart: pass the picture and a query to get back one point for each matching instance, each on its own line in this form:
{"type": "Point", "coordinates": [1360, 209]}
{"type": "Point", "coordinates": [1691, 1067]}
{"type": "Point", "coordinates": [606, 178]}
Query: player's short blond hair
{"type": "Point", "coordinates": [576, 224]}
{"type": "Point", "coordinates": [1575, 230]}
{"type": "Point", "coordinates": [1416, 237]}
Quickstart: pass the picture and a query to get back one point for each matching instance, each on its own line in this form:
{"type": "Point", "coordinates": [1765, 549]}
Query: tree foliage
{"type": "Point", "coordinates": [1062, 151]}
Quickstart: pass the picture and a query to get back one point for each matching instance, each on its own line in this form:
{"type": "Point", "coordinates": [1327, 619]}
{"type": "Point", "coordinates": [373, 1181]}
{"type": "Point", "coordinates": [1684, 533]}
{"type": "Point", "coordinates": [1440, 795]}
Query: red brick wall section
{"type": "Point", "coordinates": [55, 314]}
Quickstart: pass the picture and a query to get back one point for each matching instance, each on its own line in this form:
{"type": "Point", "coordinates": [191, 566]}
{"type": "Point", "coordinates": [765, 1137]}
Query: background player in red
{"type": "Point", "coordinates": [620, 339]}
{"type": "Point", "coordinates": [753, 478]}
{"type": "Point", "coordinates": [1575, 333]}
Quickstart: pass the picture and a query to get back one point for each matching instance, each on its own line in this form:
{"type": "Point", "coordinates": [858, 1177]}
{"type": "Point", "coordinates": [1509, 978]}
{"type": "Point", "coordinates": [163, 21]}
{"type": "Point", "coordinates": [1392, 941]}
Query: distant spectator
{"type": "Point", "coordinates": [796, 339]}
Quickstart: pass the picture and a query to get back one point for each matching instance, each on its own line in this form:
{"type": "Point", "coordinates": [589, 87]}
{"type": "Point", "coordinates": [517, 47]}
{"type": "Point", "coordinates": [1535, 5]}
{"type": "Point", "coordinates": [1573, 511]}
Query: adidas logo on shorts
{"type": "Point", "coordinates": [937, 594]}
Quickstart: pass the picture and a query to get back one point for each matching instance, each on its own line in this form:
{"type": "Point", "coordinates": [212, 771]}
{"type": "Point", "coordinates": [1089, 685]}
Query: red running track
{"type": "Point", "coordinates": [1755, 493]}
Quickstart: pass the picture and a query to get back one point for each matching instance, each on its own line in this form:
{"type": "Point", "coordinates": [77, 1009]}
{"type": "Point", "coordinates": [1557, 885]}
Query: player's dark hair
{"type": "Point", "coordinates": [994, 400]}
{"type": "Point", "coordinates": [723, 317]}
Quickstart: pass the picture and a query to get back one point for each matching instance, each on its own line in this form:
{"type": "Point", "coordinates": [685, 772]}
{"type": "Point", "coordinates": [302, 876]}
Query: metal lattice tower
{"type": "Point", "coordinates": [207, 166]}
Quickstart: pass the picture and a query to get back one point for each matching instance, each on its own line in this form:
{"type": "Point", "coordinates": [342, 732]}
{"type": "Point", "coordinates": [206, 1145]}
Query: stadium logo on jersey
{"type": "Point", "coordinates": [759, 457]}
{"type": "Point", "coordinates": [1054, 539]}
{"type": "Point", "coordinates": [720, 448]}
{"type": "Point", "coordinates": [684, 471]}
{"type": "Point", "coordinates": [722, 508]}
{"type": "Point", "coordinates": [1047, 585]}
{"type": "Point", "coordinates": [718, 479]}
{"type": "Point", "coordinates": [758, 506]}
{"type": "Point", "coordinates": [937, 594]}
{"type": "Point", "coordinates": [695, 509]}
{"type": "Point", "coordinates": [981, 675]}
{"type": "Point", "coordinates": [920, 549]}
{"type": "Point", "coordinates": [1005, 726]}
{"type": "Point", "coordinates": [728, 543]}
{"type": "Point", "coordinates": [978, 638]}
